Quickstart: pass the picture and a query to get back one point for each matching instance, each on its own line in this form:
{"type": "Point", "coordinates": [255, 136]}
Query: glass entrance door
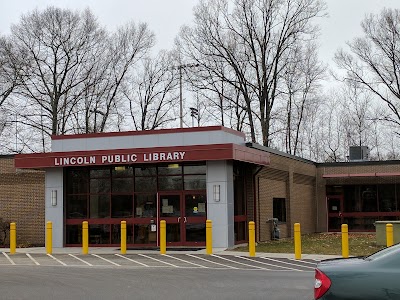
{"type": "Point", "coordinates": [185, 214]}
{"type": "Point", "coordinates": [335, 215]}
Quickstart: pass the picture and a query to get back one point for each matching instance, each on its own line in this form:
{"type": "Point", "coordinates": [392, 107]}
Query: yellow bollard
{"type": "Point", "coordinates": [389, 235]}
{"type": "Point", "coordinates": [85, 237]}
{"type": "Point", "coordinates": [297, 241]}
{"type": "Point", "coordinates": [13, 238]}
{"type": "Point", "coordinates": [252, 239]}
{"type": "Point", "coordinates": [49, 237]}
{"type": "Point", "coordinates": [209, 237]}
{"type": "Point", "coordinates": [123, 237]}
{"type": "Point", "coordinates": [163, 237]}
{"type": "Point", "coordinates": [345, 241]}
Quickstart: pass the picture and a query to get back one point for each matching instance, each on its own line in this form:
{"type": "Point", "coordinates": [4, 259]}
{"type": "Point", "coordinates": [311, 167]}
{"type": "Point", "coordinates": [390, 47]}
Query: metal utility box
{"type": "Point", "coordinates": [380, 229]}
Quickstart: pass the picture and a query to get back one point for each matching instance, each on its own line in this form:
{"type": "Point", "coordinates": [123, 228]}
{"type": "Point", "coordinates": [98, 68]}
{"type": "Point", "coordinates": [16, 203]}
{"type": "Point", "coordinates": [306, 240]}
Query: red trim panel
{"type": "Point", "coordinates": [142, 155]}
{"type": "Point", "coordinates": [360, 175]}
{"type": "Point", "coordinates": [148, 132]}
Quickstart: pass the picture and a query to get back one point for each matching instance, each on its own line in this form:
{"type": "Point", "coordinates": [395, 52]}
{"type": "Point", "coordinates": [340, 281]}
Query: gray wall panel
{"type": "Point", "coordinates": [54, 181]}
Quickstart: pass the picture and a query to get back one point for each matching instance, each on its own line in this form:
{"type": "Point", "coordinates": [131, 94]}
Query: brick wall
{"type": "Point", "coordinates": [22, 201]}
{"type": "Point", "coordinates": [292, 179]}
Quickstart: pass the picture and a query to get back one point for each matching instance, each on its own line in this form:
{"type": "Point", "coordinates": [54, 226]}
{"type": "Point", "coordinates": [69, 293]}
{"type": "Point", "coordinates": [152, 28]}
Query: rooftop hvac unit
{"type": "Point", "coordinates": [358, 153]}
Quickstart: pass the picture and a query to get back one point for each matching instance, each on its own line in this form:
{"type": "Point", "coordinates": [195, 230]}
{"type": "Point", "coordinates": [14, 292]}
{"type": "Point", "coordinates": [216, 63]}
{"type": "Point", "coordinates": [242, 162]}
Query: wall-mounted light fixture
{"type": "Point", "coordinates": [54, 197]}
{"type": "Point", "coordinates": [217, 192]}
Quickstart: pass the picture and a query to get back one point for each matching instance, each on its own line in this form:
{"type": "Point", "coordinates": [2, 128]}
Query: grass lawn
{"type": "Point", "coordinates": [360, 244]}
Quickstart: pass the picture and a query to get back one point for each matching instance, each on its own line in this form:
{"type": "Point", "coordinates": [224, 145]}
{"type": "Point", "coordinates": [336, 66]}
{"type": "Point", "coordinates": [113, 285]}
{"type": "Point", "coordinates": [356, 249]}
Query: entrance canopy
{"type": "Point", "coordinates": [155, 146]}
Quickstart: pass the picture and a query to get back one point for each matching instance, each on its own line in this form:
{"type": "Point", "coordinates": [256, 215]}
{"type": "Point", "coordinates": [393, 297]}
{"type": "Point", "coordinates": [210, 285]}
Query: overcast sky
{"type": "Point", "coordinates": [165, 17]}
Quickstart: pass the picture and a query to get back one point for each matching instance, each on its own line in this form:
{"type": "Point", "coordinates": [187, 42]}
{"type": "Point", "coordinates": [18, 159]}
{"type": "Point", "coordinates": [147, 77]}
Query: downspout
{"type": "Point", "coordinates": [257, 198]}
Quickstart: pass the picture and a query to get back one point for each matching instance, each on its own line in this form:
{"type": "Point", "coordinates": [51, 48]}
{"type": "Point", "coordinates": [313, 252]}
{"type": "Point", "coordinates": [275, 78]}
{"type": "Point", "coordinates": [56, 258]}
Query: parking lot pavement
{"type": "Point", "coordinates": [152, 259]}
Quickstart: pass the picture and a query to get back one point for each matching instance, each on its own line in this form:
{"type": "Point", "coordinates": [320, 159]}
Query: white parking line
{"type": "Point", "coordinates": [164, 262]}
{"type": "Point", "coordinates": [132, 260]}
{"type": "Point", "coordinates": [263, 263]}
{"type": "Point", "coordinates": [56, 259]}
{"type": "Point", "coordinates": [34, 260]}
{"type": "Point", "coordinates": [80, 259]}
{"type": "Point", "coordinates": [107, 260]}
{"type": "Point", "coordinates": [186, 261]}
{"type": "Point", "coordinates": [210, 261]}
{"type": "Point", "coordinates": [9, 259]}
{"type": "Point", "coordinates": [236, 262]}
{"type": "Point", "coordinates": [302, 261]}
{"type": "Point", "coordinates": [286, 263]}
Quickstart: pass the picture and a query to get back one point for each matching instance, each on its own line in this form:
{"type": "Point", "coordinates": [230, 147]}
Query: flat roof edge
{"type": "Point", "coordinates": [148, 132]}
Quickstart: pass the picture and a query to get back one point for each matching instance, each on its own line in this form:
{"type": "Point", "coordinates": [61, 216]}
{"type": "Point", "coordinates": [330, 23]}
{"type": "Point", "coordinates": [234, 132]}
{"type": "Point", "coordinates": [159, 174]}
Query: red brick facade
{"type": "Point", "coordinates": [22, 202]}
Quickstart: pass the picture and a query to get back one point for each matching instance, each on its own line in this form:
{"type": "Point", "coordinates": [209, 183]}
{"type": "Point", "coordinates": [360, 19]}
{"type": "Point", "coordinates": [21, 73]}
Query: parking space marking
{"type": "Point", "coordinates": [210, 261]}
{"type": "Point", "coordinates": [85, 262]}
{"type": "Point", "coordinates": [236, 262]}
{"type": "Point", "coordinates": [132, 260]}
{"type": "Point", "coordinates": [9, 259]}
{"type": "Point", "coordinates": [287, 263]}
{"type": "Point", "coordinates": [164, 262]}
{"type": "Point", "coordinates": [107, 260]}
{"type": "Point", "coordinates": [303, 261]}
{"type": "Point", "coordinates": [57, 260]}
{"type": "Point", "coordinates": [186, 261]}
{"type": "Point", "coordinates": [34, 260]}
{"type": "Point", "coordinates": [268, 264]}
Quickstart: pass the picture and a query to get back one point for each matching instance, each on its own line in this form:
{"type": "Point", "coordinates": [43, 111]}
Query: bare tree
{"type": "Point", "coordinates": [251, 40]}
{"type": "Point", "coordinates": [151, 93]}
{"type": "Point", "coordinates": [299, 92]}
{"type": "Point", "coordinates": [70, 71]}
{"type": "Point", "coordinates": [8, 70]}
{"type": "Point", "coordinates": [374, 59]}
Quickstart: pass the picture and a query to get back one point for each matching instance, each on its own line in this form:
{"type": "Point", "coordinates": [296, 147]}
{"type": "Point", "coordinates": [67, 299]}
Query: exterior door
{"type": "Point", "coordinates": [185, 215]}
{"type": "Point", "coordinates": [335, 215]}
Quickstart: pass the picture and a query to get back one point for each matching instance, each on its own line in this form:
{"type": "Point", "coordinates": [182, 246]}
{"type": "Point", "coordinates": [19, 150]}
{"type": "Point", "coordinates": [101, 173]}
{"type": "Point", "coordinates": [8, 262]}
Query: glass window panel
{"type": "Point", "coordinates": [195, 182]}
{"type": "Point", "coordinates": [172, 169]}
{"type": "Point", "coordinates": [199, 169]}
{"type": "Point", "coordinates": [101, 172]}
{"type": "Point", "coordinates": [334, 190]}
{"type": "Point", "coordinates": [145, 205]}
{"type": "Point", "coordinates": [167, 183]}
{"type": "Point", "coordinates": [279, 209]}
{"type": "Point", "coordinates": [145, 184]}
{"type": "Point", "coordinates": [144, 235]}
{"type": "Point", "coordinates": [240, 231]}
{"type": "Point", "coordinates": [76, 207]}
{"type": "Point", "coordinates": [77, 181]}
{"type": "Point", "coordinates": [116, 234]}
{"type": "Point", "coordinates": [145, 171]}
{"type": "Point", "coordinates": [195, 205]}
{"type": "Point", "coordinates": [360, 224]}
{"type": "Point", "coordinates": [99, 206]}
{"type": "Point", "coordinates": [170, 206]}
{"type": "Point", "coordinates": [73, 234]}
{"type": "Point", "coordinates": [368, 198]}
{"type": "Point", "coordinates": [122, 185]}
{"type": "Point", "coordinates": [99, 234]}
{"type": "Point", "coordinates": [352, 201]}
{"type": "Point", "coordinates": [98, 186]}
{"type": "Point", "coordinates": [121, 206]}
{"type": "Point", "coordinates": [196, 232]}
{"type": "Point", "coordinates": [122, 171]}
{"type": "Point", "coordinates": [173, 233]}
{"type": "Point", "coordinates": [387, 197]}
{"type": "Point", "coordinates": [239, 196]}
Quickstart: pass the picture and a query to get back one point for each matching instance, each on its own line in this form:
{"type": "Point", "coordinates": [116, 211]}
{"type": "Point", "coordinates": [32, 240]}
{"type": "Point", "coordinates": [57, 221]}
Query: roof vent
{"type": "Point", "coordinates": [358, 153]}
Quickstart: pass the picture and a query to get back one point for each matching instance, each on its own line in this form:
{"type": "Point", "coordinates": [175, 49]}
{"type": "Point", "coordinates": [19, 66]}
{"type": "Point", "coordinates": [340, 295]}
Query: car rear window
{"type": "Point", "coordinates": [384, 252]}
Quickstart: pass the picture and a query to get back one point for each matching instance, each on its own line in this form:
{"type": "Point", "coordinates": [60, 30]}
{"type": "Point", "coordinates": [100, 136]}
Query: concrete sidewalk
{"type": "Point", "coordinates": [216, 251]}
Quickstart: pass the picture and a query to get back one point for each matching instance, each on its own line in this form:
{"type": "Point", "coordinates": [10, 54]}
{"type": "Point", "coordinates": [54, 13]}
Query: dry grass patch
{"type": "Point", "coordinates": [360, 244]}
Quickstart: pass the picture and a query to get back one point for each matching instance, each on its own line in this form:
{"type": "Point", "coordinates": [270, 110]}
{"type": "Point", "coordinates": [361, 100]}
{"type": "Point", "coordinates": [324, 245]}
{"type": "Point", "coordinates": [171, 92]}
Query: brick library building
{"type": "Point", "coordinates": [186, 176]}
